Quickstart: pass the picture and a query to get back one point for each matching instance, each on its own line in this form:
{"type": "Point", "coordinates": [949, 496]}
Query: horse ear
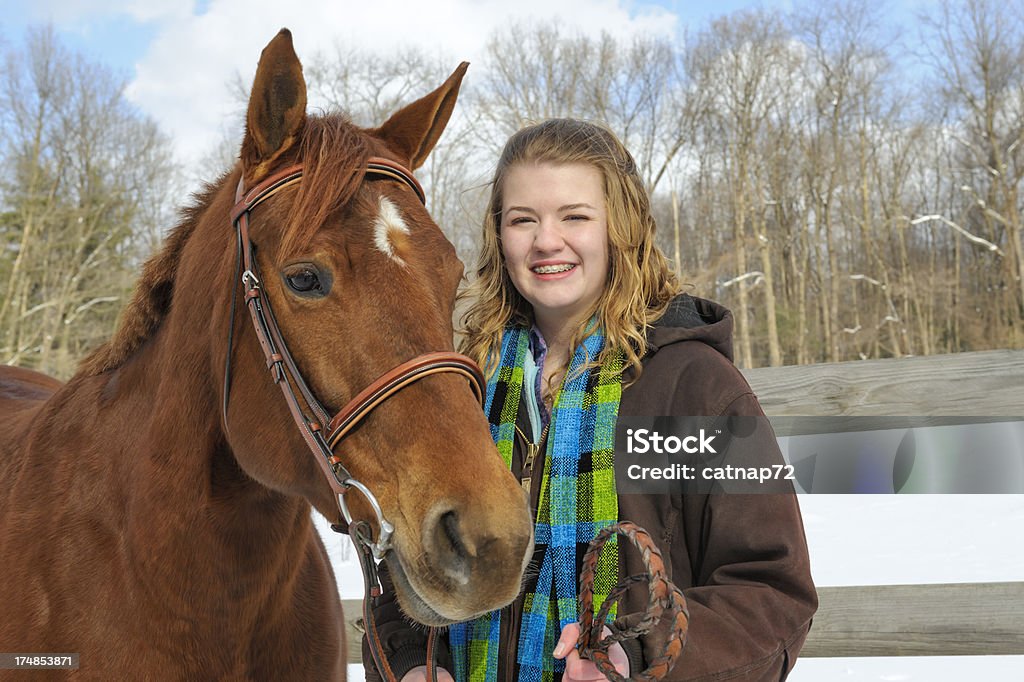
{"type": "Point", "coordinates": [414, 130]}
{"type": "Point", "coordinates": [277, 105]}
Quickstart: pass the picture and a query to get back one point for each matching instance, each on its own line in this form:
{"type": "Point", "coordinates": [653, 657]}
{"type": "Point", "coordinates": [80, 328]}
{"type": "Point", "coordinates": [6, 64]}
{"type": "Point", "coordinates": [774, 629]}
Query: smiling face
{"type": "Point", "coordinates": [554, 239]}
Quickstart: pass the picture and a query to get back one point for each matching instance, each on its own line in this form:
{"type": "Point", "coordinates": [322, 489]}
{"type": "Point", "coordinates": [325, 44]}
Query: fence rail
{"type": "Point", "coordinates": [983, 384]}
{"type": "Point", "coordinates": [970, 619]}
{"type": "Point", "coordinates": [963, 619]}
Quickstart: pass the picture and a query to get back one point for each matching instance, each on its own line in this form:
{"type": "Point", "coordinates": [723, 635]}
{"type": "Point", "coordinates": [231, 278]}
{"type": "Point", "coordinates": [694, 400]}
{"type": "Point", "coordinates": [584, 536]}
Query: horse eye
{"type": "Point", "coordinates": [304, 281]}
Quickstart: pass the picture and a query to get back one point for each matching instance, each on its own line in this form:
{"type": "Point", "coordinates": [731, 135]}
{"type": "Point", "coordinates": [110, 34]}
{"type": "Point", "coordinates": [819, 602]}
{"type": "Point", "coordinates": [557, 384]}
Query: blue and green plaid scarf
{"type": "Point", "coordinates": [577, 500]}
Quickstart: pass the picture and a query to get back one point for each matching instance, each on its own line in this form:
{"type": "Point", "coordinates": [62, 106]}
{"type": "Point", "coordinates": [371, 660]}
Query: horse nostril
{"type": "Point", "coordinates": [450, 526]}
{"type": "Point", "coordinates": [453, 554]}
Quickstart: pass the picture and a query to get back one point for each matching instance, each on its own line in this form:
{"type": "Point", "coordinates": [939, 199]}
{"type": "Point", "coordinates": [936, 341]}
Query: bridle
{"type": "Point", "coordinates": [321, 431]}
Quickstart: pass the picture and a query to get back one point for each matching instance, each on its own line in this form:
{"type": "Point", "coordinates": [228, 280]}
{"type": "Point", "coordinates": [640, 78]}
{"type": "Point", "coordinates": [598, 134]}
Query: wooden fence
{"type": "Point", "coordinates": [984, 384]}
{"type": "Point", "coordinates": [908, 620]}
{"type": "Point", "coordinates": [979, 619]}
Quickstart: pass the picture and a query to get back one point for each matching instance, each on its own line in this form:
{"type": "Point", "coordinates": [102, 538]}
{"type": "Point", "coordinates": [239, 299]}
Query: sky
{"type": "Point", "coordinates": [168, 48]}
{"type": "Point", "coordinates": [177, 58]}
{"type": "Point", "coordinates": [175, 54]}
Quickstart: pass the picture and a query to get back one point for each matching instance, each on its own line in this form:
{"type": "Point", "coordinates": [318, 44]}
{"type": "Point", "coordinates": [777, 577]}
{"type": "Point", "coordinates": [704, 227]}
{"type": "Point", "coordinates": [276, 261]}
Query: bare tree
{"type": "Point", "coordinates": [369, 87]}
{"type": "Point", "coordinates": [535, 72]}
{"type": "Point", "coordinates": [846, 68]}
{"type": "Point", "coordinates": [842, 207]}
{"type": "Point", "coordinates": [746, 61]}
{"type": "Point", "coordinates": [81, 167]}
{"type": "Point", "coordinates": [978, 55]}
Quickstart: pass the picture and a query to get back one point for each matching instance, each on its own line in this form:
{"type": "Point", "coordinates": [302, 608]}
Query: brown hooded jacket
{"type": "Point", "coordinates": [740, 559]}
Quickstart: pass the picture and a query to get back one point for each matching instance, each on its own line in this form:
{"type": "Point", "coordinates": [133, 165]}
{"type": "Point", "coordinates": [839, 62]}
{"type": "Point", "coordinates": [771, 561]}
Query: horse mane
{"type": "Point", "coordinates": [333, 152]}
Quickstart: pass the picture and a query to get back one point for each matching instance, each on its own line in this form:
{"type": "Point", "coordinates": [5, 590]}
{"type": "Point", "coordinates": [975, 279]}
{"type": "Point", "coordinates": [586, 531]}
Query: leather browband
{"type": "Point", "coordinates": [376, 165]}
{"type": "Point", "coordinates": [268, 187]}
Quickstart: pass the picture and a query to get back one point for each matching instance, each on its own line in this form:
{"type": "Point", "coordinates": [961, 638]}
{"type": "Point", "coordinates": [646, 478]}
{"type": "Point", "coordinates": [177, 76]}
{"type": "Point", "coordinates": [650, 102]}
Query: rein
{"type": "Point", "coordinates": [322, 432]}
{"type": "Point", "coordinates": [665, 599]}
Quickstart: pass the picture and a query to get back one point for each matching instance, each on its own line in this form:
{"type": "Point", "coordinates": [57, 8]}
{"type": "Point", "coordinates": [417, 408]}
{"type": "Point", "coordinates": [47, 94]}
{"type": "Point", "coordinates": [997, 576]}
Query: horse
{"type": "Point", "coordinates": [155, 515]}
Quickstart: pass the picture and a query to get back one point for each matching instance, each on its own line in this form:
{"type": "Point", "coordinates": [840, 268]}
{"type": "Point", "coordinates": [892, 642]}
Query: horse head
{"type": "Point", "coordinates": [359, 279]}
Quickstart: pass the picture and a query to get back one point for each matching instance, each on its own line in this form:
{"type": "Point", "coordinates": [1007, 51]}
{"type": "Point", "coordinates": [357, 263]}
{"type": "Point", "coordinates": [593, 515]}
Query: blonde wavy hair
{"type": "Point", "coordinates": [640, 282]}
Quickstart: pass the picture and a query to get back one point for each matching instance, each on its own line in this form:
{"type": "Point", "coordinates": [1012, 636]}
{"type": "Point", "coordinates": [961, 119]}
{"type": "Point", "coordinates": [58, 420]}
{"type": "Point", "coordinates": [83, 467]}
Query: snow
{"type": "Point", "coordinates": [873, 540]}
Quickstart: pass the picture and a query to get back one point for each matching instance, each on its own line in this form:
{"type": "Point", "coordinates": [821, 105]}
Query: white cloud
{"type": "Point", "coordinates": [79, 11]}
{"type": "Point", "coordinates": [182, 79]}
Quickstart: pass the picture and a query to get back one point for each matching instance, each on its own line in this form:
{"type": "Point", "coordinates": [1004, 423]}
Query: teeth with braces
{"type": "Point", "coordinates": [551, 269]}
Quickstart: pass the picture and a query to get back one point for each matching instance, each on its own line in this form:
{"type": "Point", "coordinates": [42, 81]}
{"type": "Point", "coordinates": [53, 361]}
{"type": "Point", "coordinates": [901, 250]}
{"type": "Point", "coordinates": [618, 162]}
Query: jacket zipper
{"type": "Point", "coordinates": [532, 450]}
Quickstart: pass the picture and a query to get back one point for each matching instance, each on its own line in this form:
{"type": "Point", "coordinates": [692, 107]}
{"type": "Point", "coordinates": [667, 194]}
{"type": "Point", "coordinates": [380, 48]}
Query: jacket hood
{"type": "Point", "coordinates": [689, 318]}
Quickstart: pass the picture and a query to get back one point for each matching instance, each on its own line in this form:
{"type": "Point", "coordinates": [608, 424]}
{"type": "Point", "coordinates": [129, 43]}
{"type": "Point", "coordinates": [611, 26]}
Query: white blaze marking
{"type": "Point", "coordinates": [389, 220]}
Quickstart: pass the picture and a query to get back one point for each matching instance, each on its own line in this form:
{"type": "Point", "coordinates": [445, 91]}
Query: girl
{"type": "Point", "coordinates": [578, 320]}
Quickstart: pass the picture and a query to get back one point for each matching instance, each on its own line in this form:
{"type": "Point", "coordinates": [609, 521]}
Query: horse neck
{"type": "Point", "coordinates": [190, 515]}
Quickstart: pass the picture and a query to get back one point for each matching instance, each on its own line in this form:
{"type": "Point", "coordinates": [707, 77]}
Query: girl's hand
{"type": "Point", "coordinates": [580, 670]}
{"type": "Point", "coordinates": [419, 674]}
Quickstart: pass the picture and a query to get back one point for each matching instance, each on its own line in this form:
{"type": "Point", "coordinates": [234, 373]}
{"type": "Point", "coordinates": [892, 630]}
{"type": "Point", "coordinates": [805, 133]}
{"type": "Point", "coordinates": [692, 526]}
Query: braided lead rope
{"type": "Point", "coordinates": [666, 601]}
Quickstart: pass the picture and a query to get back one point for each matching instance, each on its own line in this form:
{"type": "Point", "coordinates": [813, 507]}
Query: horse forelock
{"type": "Point", "coordinates": [333, 153]}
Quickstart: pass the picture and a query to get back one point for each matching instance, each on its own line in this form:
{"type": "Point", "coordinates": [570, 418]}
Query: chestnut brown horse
{"type": "Point", "coordinates": [158, 524]}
